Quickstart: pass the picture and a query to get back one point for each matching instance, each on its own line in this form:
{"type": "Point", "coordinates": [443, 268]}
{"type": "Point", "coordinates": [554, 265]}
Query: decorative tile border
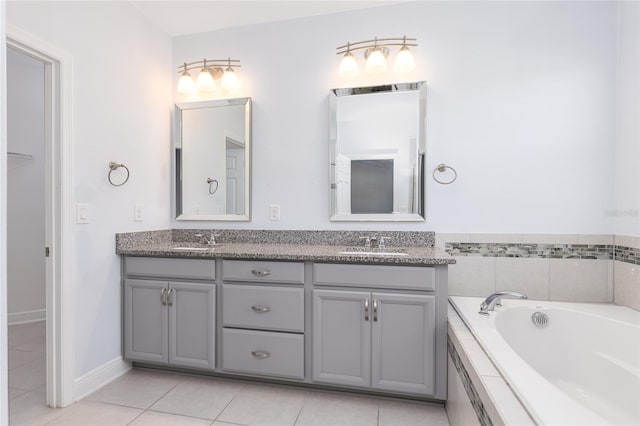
{"type": "Point", "coordinates": [472, 393]}
{"type": "Point", "coordinates": [546, 251]}
{"type": "Point", "coordinates": [532, 250]}
{"type": "Point", "coordinates": [627, 255]}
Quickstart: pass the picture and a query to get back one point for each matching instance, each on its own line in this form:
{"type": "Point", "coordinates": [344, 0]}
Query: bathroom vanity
{"type": "Point", "coordinates": [312, 313]}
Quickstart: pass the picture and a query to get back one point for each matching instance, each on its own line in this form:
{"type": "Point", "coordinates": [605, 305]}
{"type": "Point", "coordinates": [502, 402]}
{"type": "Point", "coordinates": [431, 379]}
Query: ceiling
{"type": "Point", "coordinates": [180, 17]}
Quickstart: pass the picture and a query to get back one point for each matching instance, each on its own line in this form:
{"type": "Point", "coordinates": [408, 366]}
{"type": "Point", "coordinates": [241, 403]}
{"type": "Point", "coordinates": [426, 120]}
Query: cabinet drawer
{"type": "Point", "coordinates": [267, 272]}
{"type": "Point", "coordinates": [204, 269]}
{"type": "Point", "coordinates": [401, 277]}
{"type": "Point", "coordinates": [271, 308]}
{"type": "Point", "coordinates": [263, 352]}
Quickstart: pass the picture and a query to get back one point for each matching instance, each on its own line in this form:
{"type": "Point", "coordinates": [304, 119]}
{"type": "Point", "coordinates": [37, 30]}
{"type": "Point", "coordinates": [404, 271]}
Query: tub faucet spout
{"type": "Point", "coordinates": [494, 299]}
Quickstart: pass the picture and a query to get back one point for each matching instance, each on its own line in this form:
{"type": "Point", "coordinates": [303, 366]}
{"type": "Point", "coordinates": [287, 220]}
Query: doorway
{"type": "Point", "coordinates": [52, 251]}
{"type": "Point", "coordinates": [26, 233]}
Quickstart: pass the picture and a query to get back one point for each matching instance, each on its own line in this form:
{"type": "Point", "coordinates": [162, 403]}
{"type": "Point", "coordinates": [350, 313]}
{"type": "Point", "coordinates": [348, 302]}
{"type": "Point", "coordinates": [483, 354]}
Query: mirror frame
{"type": "Point", "coordinates": [419, 180]}
{"type": "Point", "coordinates": [177, 166]}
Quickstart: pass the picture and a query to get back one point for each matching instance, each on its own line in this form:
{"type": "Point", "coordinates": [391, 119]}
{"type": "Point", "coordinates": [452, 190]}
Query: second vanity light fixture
{"type": "Point", "coordinates": [210, 71]}
{"type": "Point", "coordinates": [376, 52]}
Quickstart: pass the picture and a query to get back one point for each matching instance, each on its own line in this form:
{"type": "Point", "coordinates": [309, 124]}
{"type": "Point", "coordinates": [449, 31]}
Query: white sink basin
{"type": "Point", "coordinates": [190, 248]}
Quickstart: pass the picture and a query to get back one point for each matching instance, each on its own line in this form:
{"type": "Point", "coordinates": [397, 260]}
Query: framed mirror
{"type": "Point", "coordinates": [212, 160]}
{"type": "Point", "coordinates": [377, 153]}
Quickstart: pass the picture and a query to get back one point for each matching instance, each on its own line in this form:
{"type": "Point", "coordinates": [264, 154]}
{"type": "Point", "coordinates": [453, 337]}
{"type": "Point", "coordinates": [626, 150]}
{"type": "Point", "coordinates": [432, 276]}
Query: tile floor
{"type": "Point", "coordinates": [154, 398]}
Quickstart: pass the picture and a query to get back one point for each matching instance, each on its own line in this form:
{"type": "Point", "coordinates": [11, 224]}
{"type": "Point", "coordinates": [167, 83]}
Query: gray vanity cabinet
{"type": "Point", "coordinates": [342, 337]}
{"type": "Point", "coordinates": [146, 321]}
{"type": "Point", "coordinates": [380, 340]}
{"type": "Point", "coordinates": [403, 343]}
{"type": "Point", "coordinates": [170, 322]}
{"type": "Point", "coordinates": [192, 324]}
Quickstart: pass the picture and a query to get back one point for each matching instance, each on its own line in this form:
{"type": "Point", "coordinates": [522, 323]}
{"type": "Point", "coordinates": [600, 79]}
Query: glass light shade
{"type": "Point", "coordinates": [229, 79]}
{"type": "Point", "coordinates": [205, 81]}
{"type": "Point", "coordinates": [186, 85]}
{"type": "Point", "coordinates": [348, 66]}
{"type": "Point", "coordinates": [376, 62]}
{"type": "Point", "coordinates": [404, 61]}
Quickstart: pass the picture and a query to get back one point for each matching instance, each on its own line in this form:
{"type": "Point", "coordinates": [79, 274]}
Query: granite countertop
{"type": "Point", "coordinates": [168, 245]}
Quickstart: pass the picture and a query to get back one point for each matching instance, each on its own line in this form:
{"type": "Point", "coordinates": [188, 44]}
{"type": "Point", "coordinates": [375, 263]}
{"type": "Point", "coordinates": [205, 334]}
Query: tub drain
{"type": "Point", "coordinates": [540, 319]}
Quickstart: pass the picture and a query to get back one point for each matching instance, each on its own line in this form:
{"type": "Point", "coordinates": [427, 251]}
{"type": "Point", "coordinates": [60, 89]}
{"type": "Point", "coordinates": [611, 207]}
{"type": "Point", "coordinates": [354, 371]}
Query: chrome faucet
{"type": "Point", "coordinates": [494, 299]}
{"type": "Point", "coordinates": [208, 241]}
{"type": "Point", "coordinates": [375, 242]}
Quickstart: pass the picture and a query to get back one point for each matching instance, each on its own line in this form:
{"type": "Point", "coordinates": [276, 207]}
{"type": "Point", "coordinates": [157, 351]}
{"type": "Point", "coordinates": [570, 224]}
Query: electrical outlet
{"type": "Point", "coordinates": [274, 212]}
{"type": "Point", "coordinates": [138, 212]}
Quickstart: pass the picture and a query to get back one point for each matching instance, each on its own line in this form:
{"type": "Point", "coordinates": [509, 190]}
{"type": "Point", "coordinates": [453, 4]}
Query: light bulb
{"type": "Point", "coordinates": [229, 79]}
{"type": "Point", "coordinates": [186, 84]}
{"type": "Point", "coordinates": [376, 62]}
{"type": "Point", "coordinates": [404, 61]}
{"type": "Point", "coordinates": [348, 66]}
{"type": "Point", "coordinates": [205, 81]}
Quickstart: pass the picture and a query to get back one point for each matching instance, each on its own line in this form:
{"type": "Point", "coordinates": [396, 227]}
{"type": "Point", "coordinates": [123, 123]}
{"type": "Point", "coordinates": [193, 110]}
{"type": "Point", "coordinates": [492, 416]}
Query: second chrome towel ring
{"type": "Point", "coordinates": [442, 167]}
{"type": "Point", "coordinates": [213, 185]}
{"type": "Point", "coordinates": [113, 166]}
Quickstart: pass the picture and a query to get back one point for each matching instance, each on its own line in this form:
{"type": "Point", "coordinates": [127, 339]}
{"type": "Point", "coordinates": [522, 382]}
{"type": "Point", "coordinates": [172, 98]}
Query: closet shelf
{"type": "Point", "coordinates": [19, 155]}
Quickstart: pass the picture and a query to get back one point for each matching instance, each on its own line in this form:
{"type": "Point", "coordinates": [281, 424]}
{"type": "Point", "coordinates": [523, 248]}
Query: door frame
{"type": "Point", "coordinates": [60, 346]}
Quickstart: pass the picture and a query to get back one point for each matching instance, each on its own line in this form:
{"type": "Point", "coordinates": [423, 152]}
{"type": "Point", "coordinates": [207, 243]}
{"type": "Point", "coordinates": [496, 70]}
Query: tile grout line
{"type": "Point", "coordinates": [244, 386]}
{"type": "Point", "coordinates": [144, 410]}
{"type": "Point", "coordinates": [304, 401]}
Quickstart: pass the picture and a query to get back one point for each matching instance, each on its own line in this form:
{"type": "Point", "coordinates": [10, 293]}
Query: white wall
{"type": "Point", "coordinates": [25, 185]}
{"type": "Point", "coordinates": [520, 100]}
{"type": "Point", "coordinates": [627, 147]}
{"type": "Point", "coordinates": [121, 111]}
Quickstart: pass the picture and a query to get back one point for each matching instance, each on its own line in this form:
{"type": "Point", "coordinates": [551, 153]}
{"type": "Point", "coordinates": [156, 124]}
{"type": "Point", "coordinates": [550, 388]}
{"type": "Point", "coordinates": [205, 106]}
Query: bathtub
{"type": "Point", "coordinates": [580, 368]}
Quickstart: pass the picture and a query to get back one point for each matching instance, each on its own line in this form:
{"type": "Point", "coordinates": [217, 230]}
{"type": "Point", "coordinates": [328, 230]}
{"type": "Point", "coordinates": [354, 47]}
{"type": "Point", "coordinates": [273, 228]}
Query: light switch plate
{"type": "Point", "coordinates": [82, 213]}
{"type": "Point", "coordinates": [138, 212]}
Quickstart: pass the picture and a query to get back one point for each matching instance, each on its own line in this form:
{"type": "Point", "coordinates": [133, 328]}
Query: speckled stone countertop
{"type": "Point", "coordinates": [317, 246]}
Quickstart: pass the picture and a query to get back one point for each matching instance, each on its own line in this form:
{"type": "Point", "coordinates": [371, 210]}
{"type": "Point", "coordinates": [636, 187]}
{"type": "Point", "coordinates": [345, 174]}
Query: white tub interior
{"type": "Point", "coordinates": [583, 367]}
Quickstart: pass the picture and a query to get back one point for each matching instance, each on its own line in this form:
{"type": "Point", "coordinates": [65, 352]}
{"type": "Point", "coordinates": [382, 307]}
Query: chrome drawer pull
{"type": "Point", "coordinates": [163, 296]}
{"type": "Point", "coordinates": [260, 354]}
{"type": "Point", "coordinates": [261, 309]}
{"type": "Point", "coordinates": [375, 310]}
{"type": "Point", "coordinates": [366, 309]}
{"type": "Point", "coordinates": [261, 273]}
{"type": "Point", "coordinates": [170, 296]}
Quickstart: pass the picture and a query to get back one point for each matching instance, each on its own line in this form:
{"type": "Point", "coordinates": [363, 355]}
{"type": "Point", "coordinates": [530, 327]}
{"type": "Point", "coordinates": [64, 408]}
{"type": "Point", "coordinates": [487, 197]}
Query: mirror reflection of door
{"type": "Point", "coordinates": [235, 177]}
{"type": "Point", "coordinates": [372, 186]}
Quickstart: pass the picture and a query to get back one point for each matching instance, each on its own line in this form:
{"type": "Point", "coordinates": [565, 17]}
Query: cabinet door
{"type": "Point", "coordinates": [145, 321]}
{"type": "Point", "coordinates": [192, 324]}
{"type": "Point", "coordinates": [403, 346]}
{"type": "Point", "coordinates": [341, 338]}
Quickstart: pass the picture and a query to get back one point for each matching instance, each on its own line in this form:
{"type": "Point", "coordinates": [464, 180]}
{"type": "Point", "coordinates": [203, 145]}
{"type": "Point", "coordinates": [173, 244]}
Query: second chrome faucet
{"type": "Point", "coordinates": [494, 299]}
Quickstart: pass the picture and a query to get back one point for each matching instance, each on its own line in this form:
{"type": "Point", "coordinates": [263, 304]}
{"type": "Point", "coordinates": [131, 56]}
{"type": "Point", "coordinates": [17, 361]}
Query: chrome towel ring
{"type": "Point", "coordinates": [115, 166]}
{"type": "Point", "coordinates": [211, 182]}
{"type": "Point", "coordinates": [442, 167]}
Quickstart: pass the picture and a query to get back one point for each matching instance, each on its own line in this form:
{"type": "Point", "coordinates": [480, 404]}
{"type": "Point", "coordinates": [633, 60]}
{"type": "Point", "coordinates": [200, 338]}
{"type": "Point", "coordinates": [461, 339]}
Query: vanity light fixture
{"type": "Point", "coordinates": [376, 52]}
{"type": "Point", "coordinates": [210, 71]}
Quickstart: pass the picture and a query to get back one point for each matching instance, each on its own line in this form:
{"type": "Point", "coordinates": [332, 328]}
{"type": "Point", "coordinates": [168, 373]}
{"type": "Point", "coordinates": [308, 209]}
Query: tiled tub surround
{"type": "Point", "coordinates": [576, 268]}
{"type": "Point", "coordinates": [579, 369]}
{"type": "Point", "coordinates": [626, 271]}
{"type": "Point", "coordinates": [319, 246]}
{"type": "Point", "coordinates": [477, 393]}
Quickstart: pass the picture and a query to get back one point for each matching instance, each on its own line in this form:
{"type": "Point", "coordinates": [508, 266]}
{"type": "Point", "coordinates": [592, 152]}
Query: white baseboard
{"type": "Point", "coordinates": [98, 377]}
{"type": "Point", "coordinates": [27, 316]}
